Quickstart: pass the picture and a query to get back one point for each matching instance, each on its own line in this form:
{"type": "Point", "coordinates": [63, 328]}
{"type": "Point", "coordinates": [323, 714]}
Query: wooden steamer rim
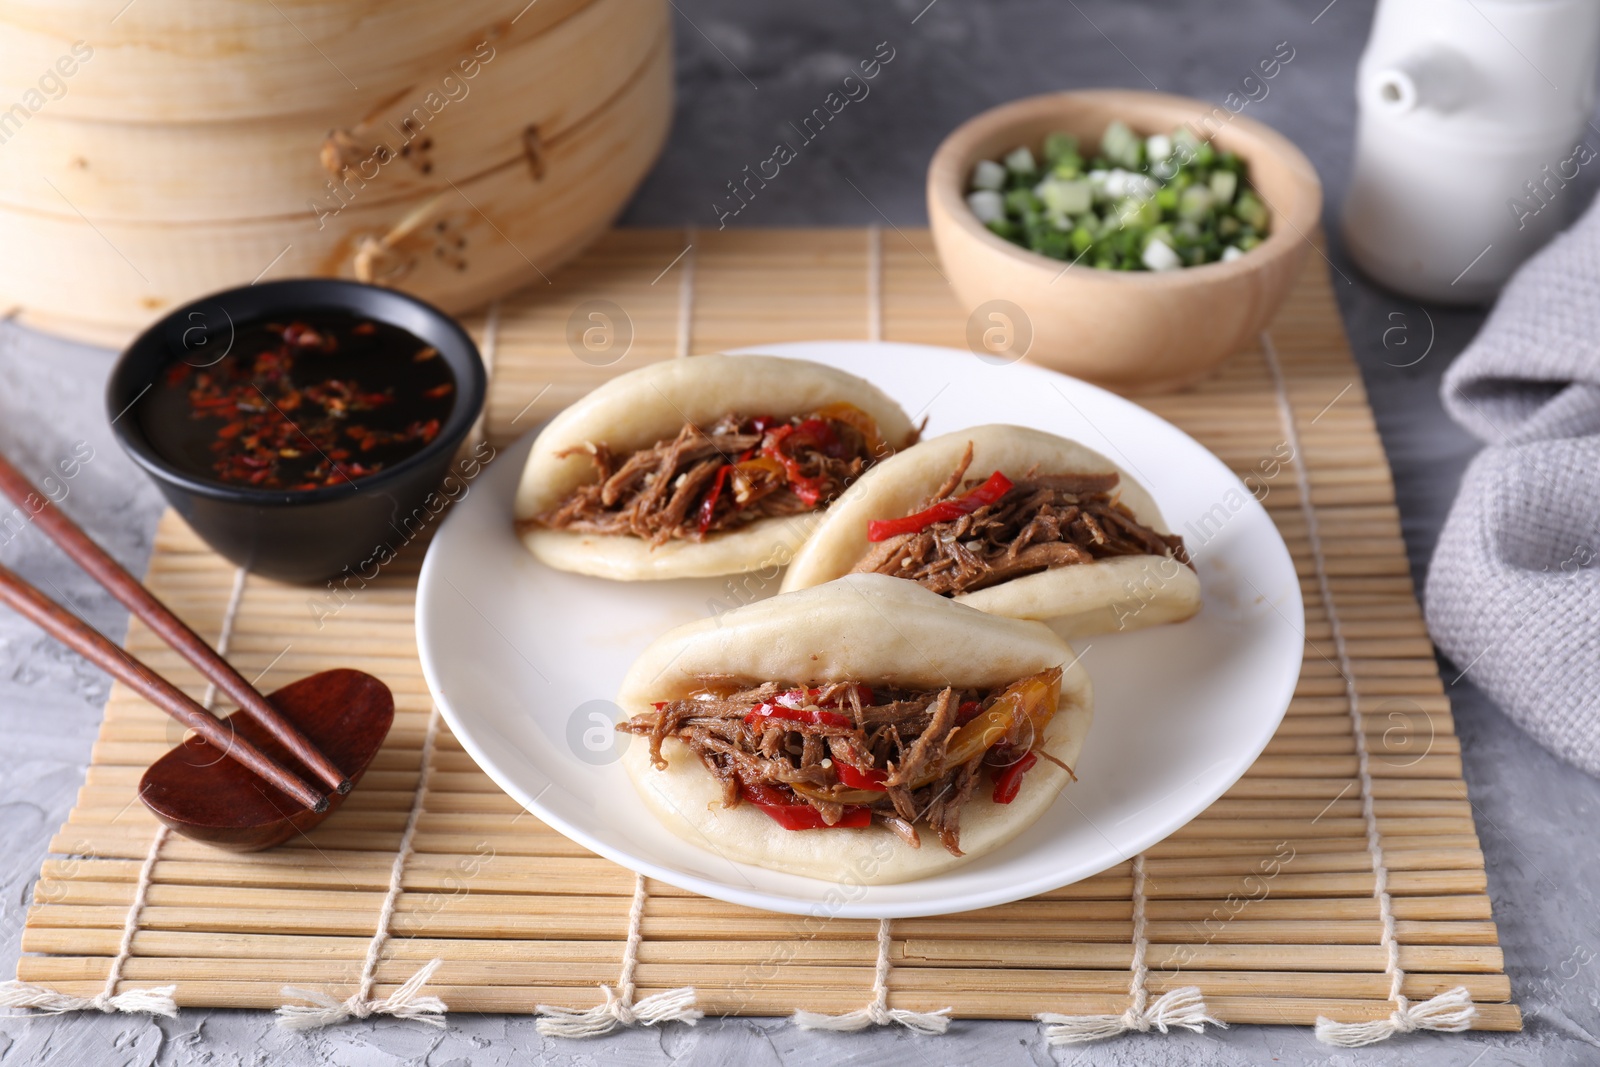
{"type": "Point", "coordinates": [281, 165]}
{"type": "Point", "coordinates": [255, 58]}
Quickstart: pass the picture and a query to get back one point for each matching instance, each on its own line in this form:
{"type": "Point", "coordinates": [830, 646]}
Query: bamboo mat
{"type": "Point", "coordinates": [521, 916]}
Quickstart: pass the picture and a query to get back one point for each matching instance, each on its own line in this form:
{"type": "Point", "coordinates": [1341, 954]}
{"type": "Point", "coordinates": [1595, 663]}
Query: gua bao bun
{"type": "Point", "coordinates": [650, 406]}
{"type": "Point", "coordinates": [876, 632]}
{"type": "Point", "coordinates": [1145, 584]}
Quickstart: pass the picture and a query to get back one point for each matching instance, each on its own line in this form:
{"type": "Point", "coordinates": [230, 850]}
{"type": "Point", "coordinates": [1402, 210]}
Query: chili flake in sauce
{"type": "Point", "coordinates": [321, 400]}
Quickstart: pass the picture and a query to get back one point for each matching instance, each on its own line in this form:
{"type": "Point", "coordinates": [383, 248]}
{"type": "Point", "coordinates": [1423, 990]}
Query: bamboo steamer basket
{"type": "Point", "coordinates": [493, 191]}
{"type": "Point", "coordinates": [222, 60]}
{"type": "Point", "coordinates": [210, 171]}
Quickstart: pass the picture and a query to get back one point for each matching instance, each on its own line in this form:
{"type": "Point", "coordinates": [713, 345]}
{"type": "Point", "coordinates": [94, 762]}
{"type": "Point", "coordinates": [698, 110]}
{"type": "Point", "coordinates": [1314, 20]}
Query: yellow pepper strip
{"type": "Point", "coordinates": [865, 424]}
{"type": "Point", "coordinates": [1030, 702]}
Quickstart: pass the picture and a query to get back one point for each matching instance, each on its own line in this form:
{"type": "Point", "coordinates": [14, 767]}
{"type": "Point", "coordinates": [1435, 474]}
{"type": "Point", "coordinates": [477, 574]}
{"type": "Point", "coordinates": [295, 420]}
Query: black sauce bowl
{"type": "Point", "coordinates": [300, 535]}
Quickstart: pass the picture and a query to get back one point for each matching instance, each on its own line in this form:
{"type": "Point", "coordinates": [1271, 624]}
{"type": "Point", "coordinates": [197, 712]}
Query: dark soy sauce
{"type": "Point", "coordinates": [318, 400]}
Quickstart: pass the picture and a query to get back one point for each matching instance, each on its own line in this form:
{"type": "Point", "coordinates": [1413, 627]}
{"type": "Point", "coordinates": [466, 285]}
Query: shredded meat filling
{"type": "Point", "coordinates": [898, 735]}
{"type": "Point", "coordinates": [1043, 521]}
{"type": "Point", "coordinates": [708, 481]}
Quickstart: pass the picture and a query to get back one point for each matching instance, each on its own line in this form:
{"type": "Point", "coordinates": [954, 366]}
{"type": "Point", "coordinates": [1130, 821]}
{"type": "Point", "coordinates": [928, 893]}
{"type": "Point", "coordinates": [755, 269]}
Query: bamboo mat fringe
{"type": "Point", "coordinates": [878, 1012]}
{"type": "Point", "coordinates": [1453, 1010]}
{"type": "Point", "coordinates": [619, 1009]}
{"type": "Point", "coordinates": [407, 1002]}
{"type": "Point", "coordinates": [1183, 1006]}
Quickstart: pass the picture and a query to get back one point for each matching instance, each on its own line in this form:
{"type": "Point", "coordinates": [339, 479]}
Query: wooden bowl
{"type": "Point", "coordinates": [1132, 331]}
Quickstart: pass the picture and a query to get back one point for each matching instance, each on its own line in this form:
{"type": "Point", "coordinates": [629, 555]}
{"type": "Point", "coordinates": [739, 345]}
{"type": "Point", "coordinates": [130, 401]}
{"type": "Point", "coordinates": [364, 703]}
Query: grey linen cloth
{"type": "Point", "coordinates": [1513, 594]}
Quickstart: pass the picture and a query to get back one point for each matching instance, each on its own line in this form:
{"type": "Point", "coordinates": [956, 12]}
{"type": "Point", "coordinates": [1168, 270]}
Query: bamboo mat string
{"type": "Point", "coordinates": [1451, 1011]}
{"type": "Point", "coordinates": [489, 352]}
{"type": "Point", "coordinates": [157, 1001]}
{"type": "Point", "coordinates": [878, 1012]}
{"type": "Point", "coordinates": [686, 298]}
{"type": "Point", "coordinates": [405, 1002]}
{"type": "Point", "coordinates": [1183, 1007]}
{"type": "Point", "coordinates": [874, 283]}
{"type": "Point", "coordinates": [619, 1009]}
{"type": "Point", "coordinates": [230, 618]}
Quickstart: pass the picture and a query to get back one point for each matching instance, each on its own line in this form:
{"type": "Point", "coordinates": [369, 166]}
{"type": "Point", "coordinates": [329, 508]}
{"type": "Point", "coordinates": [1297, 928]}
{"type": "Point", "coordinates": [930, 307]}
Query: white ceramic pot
{"type": "Point", "coordinates": [1471, 133]}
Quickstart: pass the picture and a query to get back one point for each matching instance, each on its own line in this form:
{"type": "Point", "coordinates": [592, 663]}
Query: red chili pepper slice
{"type": "Point", "coordinates": [1009, 781]}
{"type": "Point", "coordinates": [817, 432]}
{"type": "Point", "coordinates": [968, 711]}
{"type": "Point", "coordinates": [812, 716]}
{"type": "Point", "coordinates": [708, 506]}
{"type": "Point", "coordinates": [809, 490]}
{"type": "Point", "coordinates": [822, 435]}
{"type": "Point", "coordinates": [944, 511]}
{"type": "Point", "coordinates": [855, 778]}
{"type": "Point", "coordinates": [797, 815]}
{"type": "Point", "coordinates": [799, 705]}
{"type": "Point", "coordinates": [799, 698]}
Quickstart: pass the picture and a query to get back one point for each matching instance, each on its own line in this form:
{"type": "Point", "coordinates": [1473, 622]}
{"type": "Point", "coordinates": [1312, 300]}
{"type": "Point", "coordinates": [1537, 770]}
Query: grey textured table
{"type": "Point", "coordinates": [744, 71]}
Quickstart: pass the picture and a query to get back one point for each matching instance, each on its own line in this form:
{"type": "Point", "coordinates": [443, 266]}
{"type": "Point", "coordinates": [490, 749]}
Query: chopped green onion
{"type": "Point", "coordinates": [1194, 203]}
{"type": "Point", "coordinates": [1060, 146]}
{"type": "Point", "coordinates": [1121, 146]}
{"type": "Point", "coordinates": [1022, 201]}
{"type": "Point", "coordinates": [1007, 229]}
{"type": "Point", "coordinates": [1064, 197]}
{"type": "Point", "coordinates": [987, 205]}
{"type": "Point", "coordinates": [1157, 202]}
{"type": "Point", "coordinates": [1251, 211]}
{"type": "Point", "coordinates": [1224, 183]}
{"type": "Point", "coordinates": [988, 175]}
{"type": "Point", "coordinates": [1020, 161]}
{"type": "Point", "coordinates": [1160, 256]}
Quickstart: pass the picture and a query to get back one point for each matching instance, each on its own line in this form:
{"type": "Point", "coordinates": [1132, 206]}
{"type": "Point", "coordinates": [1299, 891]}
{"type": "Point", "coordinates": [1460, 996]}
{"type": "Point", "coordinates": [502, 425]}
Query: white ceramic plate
{"type": "Point", "coordinates": [524, 661]}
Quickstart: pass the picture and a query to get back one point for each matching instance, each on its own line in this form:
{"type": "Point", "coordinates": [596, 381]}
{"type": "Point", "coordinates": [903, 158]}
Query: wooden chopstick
{"type": "Point", "coordinates": [78, 635]}
{"type": "Point", "coordinates": [141, 602]}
